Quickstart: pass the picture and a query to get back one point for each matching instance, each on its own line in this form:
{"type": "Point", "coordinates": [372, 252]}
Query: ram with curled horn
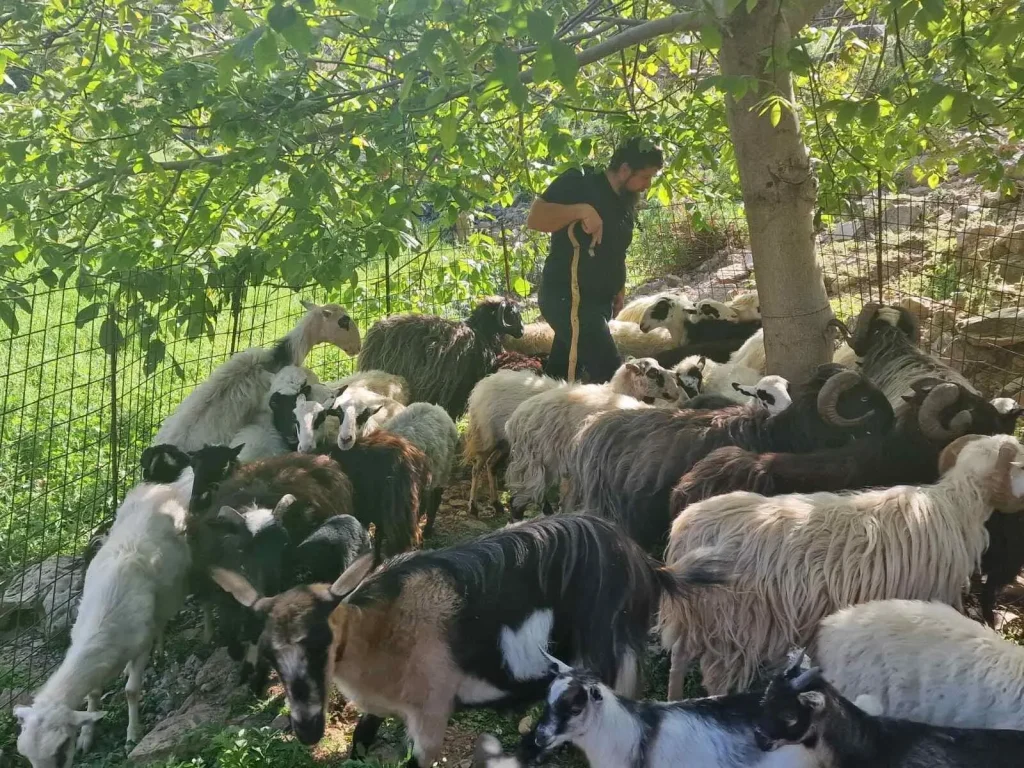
{"type": "Point", "coordinates": [626, 463]}
{"type": "Point", "coordinates": [936, 413]}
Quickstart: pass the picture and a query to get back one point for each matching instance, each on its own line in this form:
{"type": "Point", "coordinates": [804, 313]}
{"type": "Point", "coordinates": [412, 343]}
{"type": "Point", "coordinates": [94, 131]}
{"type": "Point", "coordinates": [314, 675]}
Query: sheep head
{"type": "Point", "coordinates": [497, 316]}
{"type": "Point", "coordinates": [671, 311]}
{"type": "Point", "coordinates": [716, 310]}
{"type": "Point", "coordinates": [997, 460]}
{"type": "Point", "coordinates": [747, 306]}
{"type": "Point", "coordinates": [297, 638]}
{"type": "Point", "coordinates": [875, 319]}
{"type": "Point", "coordinates": [48, 732]}
{"type": "Point", "coordinates": [849, 401]}
{"type": "Point", "coordinates": [645, 380]}
{"type": "Point", "coordinates": [331, 323]}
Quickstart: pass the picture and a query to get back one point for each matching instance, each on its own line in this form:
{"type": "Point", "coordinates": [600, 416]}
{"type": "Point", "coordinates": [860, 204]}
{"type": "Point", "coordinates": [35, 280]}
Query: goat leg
{"type": "Point", "coordinates": [364, 735]}
{"type": "Point", "coordinates": [133, 693]}
{"type": "Point", "coordinates": [84, 743]}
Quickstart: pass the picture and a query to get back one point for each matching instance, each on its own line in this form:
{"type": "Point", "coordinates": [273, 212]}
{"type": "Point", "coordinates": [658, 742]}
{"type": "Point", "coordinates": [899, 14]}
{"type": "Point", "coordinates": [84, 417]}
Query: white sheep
{"type": "Point", "coordinates": [771, 392]}
{"type": "Point", "coordinates": [671, 313]}
{"type": "Point", "coordinates": [629, 338]}
{"type": "Point", "coordinates": [361, 412]}
{"type": "Point", "coordinates": [751, 353]}
{"type": "Point", "coordinates": [491, 403]}
{"type": "Point", "coordinates": [746, 305]}
{"type": "Point", "coordinates": [721, 378]}
{"type": "Point", "coordinates": [923, 661]}
{"type": "Point", "coordinates": [136, 582]}
{"type": "Point", "coordinates": [232, 395]}
{"type": "Point", "coordinates": [542, 430]}
{"type": "Point", "coordinates": [797, 558]}
{"type": "Point", "coordinates": [431, 429]}
{"type": "Point", "coordinates": [636, 309]}
{"type": "Point", "coordinates": [381, 382]}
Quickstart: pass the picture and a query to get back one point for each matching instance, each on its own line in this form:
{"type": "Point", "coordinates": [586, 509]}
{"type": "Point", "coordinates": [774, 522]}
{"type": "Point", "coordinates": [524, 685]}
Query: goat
{"type": "Point", "coordinates": [466, 625]}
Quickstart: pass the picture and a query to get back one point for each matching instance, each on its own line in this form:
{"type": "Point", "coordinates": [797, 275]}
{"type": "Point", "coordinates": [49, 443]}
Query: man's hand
{"type": "Point", "coordinates": [617, 302]}
{"type": "Point", "coordinates": [592, 223]}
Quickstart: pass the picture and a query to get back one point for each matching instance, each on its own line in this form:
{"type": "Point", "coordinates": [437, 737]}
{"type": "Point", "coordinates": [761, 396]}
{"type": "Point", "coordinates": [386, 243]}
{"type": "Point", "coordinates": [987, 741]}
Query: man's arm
{"type": "Point", "coordinates": [552, 217]}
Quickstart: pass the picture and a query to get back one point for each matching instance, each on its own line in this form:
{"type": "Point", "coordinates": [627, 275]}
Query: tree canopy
{"type": "Point", "coordinates": [295, 140]}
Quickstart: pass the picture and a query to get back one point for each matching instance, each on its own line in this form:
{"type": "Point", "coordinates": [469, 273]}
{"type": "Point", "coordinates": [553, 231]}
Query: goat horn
{"type": "Point", "coordinates": [950, 453]}
{"type": "Point", "coordinates": [840, 326]}
{"type": "Point", "coordinates": [939, 398]}
{"type": "Point", "coordinates": [860, 331]}
{"type": "Point", "coordinates": [828, 399]}
{"type": "Point", "coordinates": [806, 678]}
{"type": "Point", "coordinates": [282, 505]}
{"type": "Point", "coordinates": [1001, 483]}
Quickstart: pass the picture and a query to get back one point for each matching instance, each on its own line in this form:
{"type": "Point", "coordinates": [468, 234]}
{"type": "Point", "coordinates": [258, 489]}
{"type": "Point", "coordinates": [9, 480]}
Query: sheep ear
{"type": "Point", "coordinates": [22, 713]}
{"type": "Point", "coordinates": [309, 306]}
{"type": "Point", "coordinates": [236, 585]}
{"type": "Point", "coordinates": [353, 576]}
{"type": "Point", "coordinates": [282, 505]}
{"type": "Point", "coordinates": [813, 700]}
{"type": "Point", "coordinates": [702, 362]}
{"type": "Point", "coordinates": [81, 718]}
{"type": "Point", "coordinates": [237, 449]}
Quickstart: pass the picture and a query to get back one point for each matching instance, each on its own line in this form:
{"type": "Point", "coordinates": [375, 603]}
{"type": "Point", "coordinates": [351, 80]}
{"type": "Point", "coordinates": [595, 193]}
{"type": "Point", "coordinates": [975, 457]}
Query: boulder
{"type": "Point", "coordinates": [1004, 327]}
{"type": "Point", "coordinates": [45, 593]}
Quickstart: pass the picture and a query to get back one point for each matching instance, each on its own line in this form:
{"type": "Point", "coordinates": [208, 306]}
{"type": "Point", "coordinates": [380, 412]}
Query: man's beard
{"type": "Point", "coordinates": [629, 199]}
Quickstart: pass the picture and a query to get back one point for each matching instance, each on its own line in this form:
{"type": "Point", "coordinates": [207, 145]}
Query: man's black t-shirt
{"type": "Point", "coordinates": [602, 276]}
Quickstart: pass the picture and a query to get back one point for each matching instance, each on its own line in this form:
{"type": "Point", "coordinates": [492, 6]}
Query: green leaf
{"type": "Point", "coordinates": [846, 112]}
{"type": "Point", "coordinates": [711, 37]}
{"type": "Point", "coordinates": [219, 6]}
{"type": "Point", "coordinates": [87, 315]}
{"type": "Point", "coordinates": [869, 113]}
{"type": "Point", "coordinates": [933, 180]}
{"type": "Point", "coordinates": [521, 286]}
{"type": "Point", "coordinates": [364, 9]}
{"type": "Point", "coordinates": [566, 65]}
{"type": "Point", "coordinates": [506, 63]}
{"type": "Point", "coordinates": [264, 54]}
{"type": "Point", "coordinates": [280, 17]}
{"type": "Point", "coordinates": [299, 36]}
{"type": "Point", "coordinates": [449, 127]}
{"type": "Point", "coordinates": [110, 335]}
{"type": "Point", "coordinates": [155, 353]}
{"type": "Point", "coordinates": [244, 47]}
{"type": "Point", "coordinates": [543, 65]}
{"type": "Point", "coordinates": [9, 317]}
{"type": "Point", "coordinates": [540, 25]}
{"type": "Point", "coordinates": [960, 107]}
{"type": "Point", "coordinates": [933, 10]}
{"type": "Point", "coordinates": [775, 115]}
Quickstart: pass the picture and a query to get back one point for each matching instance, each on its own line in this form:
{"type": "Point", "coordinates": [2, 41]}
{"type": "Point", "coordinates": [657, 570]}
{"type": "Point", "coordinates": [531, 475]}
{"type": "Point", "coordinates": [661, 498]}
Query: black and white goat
{"type": "Point", "coordinates": [801, 708]}
{"type": "Point", "coordinates": [616, 732]}
{"type": "Point", "coordinates": [467, 625]}
{"type": "Point", "coordinates": [626, 462]}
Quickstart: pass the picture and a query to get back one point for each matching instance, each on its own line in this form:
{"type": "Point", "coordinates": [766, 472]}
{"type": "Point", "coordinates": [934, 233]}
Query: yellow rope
{"type": "Point", "coordinates": [574, 313]}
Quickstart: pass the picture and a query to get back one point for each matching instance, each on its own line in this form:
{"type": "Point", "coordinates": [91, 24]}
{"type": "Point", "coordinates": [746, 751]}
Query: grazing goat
{"type": "Point", "coordinates": [134, 585]}
{"type": "Point", "coordinates": [491, 403]}
{"type": "Point", "coordinates": [616, 732]}
{"type": "Point", "coordinates": [625, 463]}
{"type": "Point", "coordinates": [798, 558]}
{"type": "Point", "coordinates": [937, 413]}
{"type": "Point", "coordinates": [923, 661]}
{"type": "Point", "coordinates": [442, 360]}
{"type": "Point", "coordinates": [542, 429]}
{"type": "Point", "coordinates": [801, 708]}
{"type": "Point", "coordinates": [233, 394]}
{"type": "Point", "coordinates": [466, 625]}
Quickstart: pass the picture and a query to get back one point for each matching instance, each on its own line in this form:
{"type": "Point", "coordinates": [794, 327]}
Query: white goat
{"type": "Point", "coordinates": [923, 661]}
{"type": "Point", "coordinates": [232, 395]}
{"type": "Point", "coordinates": [361, 412]}
{"type": "Point", "coordinates": [136, 582]}
{"type": "Point", "coordinates": [542, 430]}
{"type": "Point", "coordinates": [798, 558]}
{"type": "Point", "coordinates": [491, 403]}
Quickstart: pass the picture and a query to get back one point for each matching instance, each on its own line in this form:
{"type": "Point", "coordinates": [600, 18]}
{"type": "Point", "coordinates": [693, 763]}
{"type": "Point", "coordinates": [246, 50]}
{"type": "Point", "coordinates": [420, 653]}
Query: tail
{"type": "Point", "coordinates": [702, 567]}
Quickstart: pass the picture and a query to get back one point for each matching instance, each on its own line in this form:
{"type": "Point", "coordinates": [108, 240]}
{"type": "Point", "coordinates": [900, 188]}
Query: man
{"type": "Point", "coordinates": [605, 202]}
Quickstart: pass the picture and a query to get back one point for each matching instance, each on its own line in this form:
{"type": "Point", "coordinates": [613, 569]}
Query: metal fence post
{"type": "Point", "coordinates": [504, 250]}
{"type": "Point", "coordinates": [387, 282]}
{"type": "Point", "coordinates": [112, 356]}
{"type": "Point", "coordinates": [878, 238]}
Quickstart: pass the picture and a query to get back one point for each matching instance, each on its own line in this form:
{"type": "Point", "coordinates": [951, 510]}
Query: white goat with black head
{"type": "Point", "coordinates": [234, 393]}
{"type": "Point", "coordinates": [616, 732]}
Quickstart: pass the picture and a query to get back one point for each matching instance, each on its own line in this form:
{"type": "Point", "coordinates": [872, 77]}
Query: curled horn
{"type": "Point", "coordinates": [950, 453]}
{"type": "Point", "coordinates": [828, 398]}
{"type": "Point", "coordinates": [282, 505]}
{"type": "Point", "coordinates": [806, 678]}
{"type": "Point", "coordinates": [1001, 484]}
{"type": "Point", "coordinates": [840, 326]}
{"type": "Point", "coordinates": [942, 396]}
{"type": "Point", "coordinates": [860, 332]}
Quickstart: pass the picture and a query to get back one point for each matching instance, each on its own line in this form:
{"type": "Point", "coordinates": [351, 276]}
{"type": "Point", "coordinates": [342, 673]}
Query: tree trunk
{"type": "Point", "coordinates": [779, 193]}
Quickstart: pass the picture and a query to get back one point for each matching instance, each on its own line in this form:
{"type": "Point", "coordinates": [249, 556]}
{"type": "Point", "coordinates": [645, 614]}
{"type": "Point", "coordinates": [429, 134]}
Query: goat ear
{"type": "Point", "coordinates": [558, 666]}
{"type": "Point", "coordinates": [813, 700]}
{"type": "Point", "coordinates": [22, 713]}
{"type": "Point", "coordinates": [309, 306]}
{"type": "Point", "coordinates": [595, 693]}
{"type": "Point", "coordinates": [80, 718]}
{"type": "Point", "coordinates": [282, 505]}
{"type": "Point", "coordinates": [236, 585]}
{"type": "Point", "coordinates": [1017, 479]}
{"type": "Point", "coordinates": [237, 449]}
{"type": "Point", "coordinates": [702, 362]}
{"type": "Point", "coordinates": [353, 576]}
{"type": "Point", "coordinates": [300, 399]}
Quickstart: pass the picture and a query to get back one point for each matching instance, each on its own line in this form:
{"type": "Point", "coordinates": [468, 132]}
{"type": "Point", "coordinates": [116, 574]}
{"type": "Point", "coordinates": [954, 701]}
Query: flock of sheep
{"type": "Point", "coordinates": [749, 521]}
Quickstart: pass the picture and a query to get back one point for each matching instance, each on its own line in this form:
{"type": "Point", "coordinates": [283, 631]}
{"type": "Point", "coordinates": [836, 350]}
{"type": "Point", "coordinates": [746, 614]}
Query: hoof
{"type": "Point", "coordinates": [84, 742]}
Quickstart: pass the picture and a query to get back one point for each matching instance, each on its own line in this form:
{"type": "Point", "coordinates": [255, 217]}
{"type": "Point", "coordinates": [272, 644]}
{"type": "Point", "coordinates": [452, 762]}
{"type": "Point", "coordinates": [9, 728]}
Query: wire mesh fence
{"type": "Point", "coordinates": [76, 412]}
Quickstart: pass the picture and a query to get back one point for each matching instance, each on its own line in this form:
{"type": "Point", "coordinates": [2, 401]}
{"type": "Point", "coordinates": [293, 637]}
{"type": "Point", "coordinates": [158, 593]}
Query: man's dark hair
{"type": "Point", "coordinates": [639, 153]}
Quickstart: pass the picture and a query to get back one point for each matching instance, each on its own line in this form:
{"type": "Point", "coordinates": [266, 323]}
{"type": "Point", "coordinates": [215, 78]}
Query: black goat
{"type": "Point", "coordinates": [627, 462]}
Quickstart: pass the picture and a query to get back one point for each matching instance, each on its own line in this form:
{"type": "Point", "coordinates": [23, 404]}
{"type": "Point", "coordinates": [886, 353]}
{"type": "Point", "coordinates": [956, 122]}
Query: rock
{"type": "Point", "coordinates": [918, 191]}
{"type": "Point", "coordinates": [734, 273]}
{"type": "Point", "coordinates": [1003, 327]}
{"type": "Point", "coordinates": [281, 723]}
{"type": "Point", "coordinates": [45, 592]}
{"type": "Point", "coordinates": [918, 306]}
{"type": "Point", "coordinates": [902, 214]}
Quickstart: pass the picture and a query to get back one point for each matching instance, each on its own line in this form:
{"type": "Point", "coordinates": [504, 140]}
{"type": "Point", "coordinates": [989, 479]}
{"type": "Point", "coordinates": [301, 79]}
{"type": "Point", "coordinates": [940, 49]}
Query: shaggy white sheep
{"type": "Point", "coordinates": [630, 339]}
{"type": "Point", "coordinates": [542, 430]}
{"type": "Point", "coordinates": [798, 558]}
{"type": "Point", "coordinates": [361, 412]}
{"type": "Point", "coordinates": [923, 661]}
{"type": "Point", "coordinates": [636, 309]}
{"type": "Point", "coordinates": [381, 382]}
{"type": "Point", "coordinates": [491, 403]}
{"type": "Point", "coordinates": [232, 395]}
{"type": "Point", "coordinates": [751, 353]}
{"type": "Point", "coordinates": [136, 582]}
